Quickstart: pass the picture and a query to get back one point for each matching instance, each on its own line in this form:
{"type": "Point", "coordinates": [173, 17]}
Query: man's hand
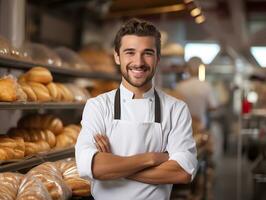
{"type": "Point", "coordinates": [102, 143]}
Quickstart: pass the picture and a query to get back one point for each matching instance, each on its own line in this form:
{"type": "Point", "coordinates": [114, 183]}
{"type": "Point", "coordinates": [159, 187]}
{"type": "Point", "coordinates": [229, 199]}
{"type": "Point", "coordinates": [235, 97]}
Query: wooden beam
{"type": "Point", "coordinates": [148, 11]}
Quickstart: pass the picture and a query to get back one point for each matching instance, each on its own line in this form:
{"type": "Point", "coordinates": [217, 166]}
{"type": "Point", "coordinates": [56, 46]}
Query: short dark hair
{"type": "Point", "coordinates": [140, 28]}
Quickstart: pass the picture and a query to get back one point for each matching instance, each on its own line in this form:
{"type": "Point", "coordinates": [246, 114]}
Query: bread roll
{"type": "Point", "coordinates": [3, 155]}
{"type": "Point", "coordinates": [32, 188]}
{"type": "Point", "coordinates": [63, 141]}
{"type": "Point", "coordinates": [31, 148]}
{"type": "Point", "coordinates": [20, 148]}
{"type": "Point", "coordinates": [50, 138]}
{"type": "Point", "coordinates": [79, 186]}
{"type": "Point", "coordinates": [51, 177]}
{"type": "Point", "coordinates": [71, 133]}
{"type": "Point", "coordinates": [56, 126]}
{"type": "Point", "coordinates": [41, 91]}
{"type": "Point", "coordinates": [31, 96]}
{"type": "Point", "coordinates": [7, 142]}
{"type": "Point", "coordinates": [39, 75]}
{"type": "Point", "coordinates": [54, 93]}
{"type": "Point", "coordinates": [9, 185]}
{"type": "Point", "coordinates": [8, 90]}
{"type": "Point", "coordinates": [66, 95]}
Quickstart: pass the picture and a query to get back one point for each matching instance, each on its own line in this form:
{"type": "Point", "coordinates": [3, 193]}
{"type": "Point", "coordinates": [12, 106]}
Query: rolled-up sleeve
{"type": "Point", "coordinates": [181, 145]}
{"type": "Point", "coordinates": [92, 123]}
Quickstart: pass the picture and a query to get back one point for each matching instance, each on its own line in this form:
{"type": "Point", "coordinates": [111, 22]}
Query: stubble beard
{"type": "Point", "coordinates": [125, 75]}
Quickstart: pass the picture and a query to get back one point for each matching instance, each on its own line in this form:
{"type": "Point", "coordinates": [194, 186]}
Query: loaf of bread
{"type": "Point", "coordinates": [51, 177]}
{"type": "Point", "coordinates": [31, 96]}
{"type": "Point", "coordinates": [11, 148]}
{"type": "Point", "coordinates": [41, 91]}
{"type": "Point", "coordinates": [8, 91]}
{"type": "Point", "coordinates": [31, 188]}
{"type": "Point", "coordinates": [68, 169]}
{"type": "Point", "coordinates": [32, 148]}
{"type": "Point", "coordinates": [54, 92]}
{"type": "Point", "coordinates": [43, 122]}
{"type": "Point", "coordinates": [39, 75]}
{"type": "Point", "coordinates": [63, 141]}
{"type": "Point", "coordinates": [65, 93]}
{"type": "Point", "coordinates": [9, 185]}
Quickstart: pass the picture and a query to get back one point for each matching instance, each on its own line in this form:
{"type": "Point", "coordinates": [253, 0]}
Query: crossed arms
{"type": "Point", "coordinates": [151, 168]}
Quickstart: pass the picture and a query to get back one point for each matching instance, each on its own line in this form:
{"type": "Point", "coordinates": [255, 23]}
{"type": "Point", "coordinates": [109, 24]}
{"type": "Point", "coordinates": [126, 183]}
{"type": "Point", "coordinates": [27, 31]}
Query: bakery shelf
{"type": "Point", "coordinates": [37, 159]}
{"type": "Point", "coordinates": [38, 105]}
{"type": "Point", "coordinates": [23, 65]}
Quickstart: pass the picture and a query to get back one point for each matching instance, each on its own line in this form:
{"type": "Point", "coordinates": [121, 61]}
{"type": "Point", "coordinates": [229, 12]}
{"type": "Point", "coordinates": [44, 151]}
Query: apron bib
{"type": "Point", "coordinates": [130, 138]}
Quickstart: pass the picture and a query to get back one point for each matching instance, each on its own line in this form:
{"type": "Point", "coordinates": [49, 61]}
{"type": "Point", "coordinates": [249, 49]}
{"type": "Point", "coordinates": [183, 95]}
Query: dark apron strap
{"type": "Point", "coordinates": [117, 107]}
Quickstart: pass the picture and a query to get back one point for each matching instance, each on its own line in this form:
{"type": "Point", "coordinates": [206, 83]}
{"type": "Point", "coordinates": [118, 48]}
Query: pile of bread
{"type": "Point", "coordinates": [37, 85]}
{"type": "Point", "coordinates": [48, 181]}
{"type": "Point", "coordinates": [35, 134]}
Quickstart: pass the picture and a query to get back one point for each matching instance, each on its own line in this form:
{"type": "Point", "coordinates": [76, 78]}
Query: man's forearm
{"type": "Point", "coordinates": [168, 172]}
{"type": "Point", "coordinates": [107, 166]}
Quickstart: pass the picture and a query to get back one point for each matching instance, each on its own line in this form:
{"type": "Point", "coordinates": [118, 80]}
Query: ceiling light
{"type": "Point", "coordinates": [205, 51]}
{"type": "Point", "coordinates": [199, 19]}
{"type": "Point", "coordinates": [259, 54]}
{"type": "Point", "coordinates": [201, 73]}
{"type": "Point", "coordinates": [195, 12]}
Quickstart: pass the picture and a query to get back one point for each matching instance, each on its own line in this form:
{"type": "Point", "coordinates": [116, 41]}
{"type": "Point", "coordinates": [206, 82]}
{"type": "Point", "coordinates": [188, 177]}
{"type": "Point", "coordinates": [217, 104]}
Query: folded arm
{"type": "Point", "coordinates": [168, 172]}
{"type": "Point", "coordinates": [107, 166]}
{"type": "Point", "coordinates": [152, 168]}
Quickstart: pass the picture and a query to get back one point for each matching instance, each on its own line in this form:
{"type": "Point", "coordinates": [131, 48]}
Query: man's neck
{"type": "Point", "coordinates": [137, 91]}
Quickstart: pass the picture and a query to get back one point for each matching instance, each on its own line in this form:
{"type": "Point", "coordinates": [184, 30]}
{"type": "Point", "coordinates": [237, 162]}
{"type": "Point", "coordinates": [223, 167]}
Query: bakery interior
{"type": "Point", "coordinates": [71, 42]}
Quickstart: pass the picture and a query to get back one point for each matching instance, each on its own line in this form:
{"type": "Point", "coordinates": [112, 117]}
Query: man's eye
{"type": "Point", "coordinates": [149, 53]}
{"type": "Point", "coordinates": [130, 53]}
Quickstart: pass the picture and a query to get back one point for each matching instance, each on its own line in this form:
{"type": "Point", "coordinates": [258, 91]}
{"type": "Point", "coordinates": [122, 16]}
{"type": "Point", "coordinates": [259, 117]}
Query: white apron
{"type": "Point", "coordinates": [130, 138]}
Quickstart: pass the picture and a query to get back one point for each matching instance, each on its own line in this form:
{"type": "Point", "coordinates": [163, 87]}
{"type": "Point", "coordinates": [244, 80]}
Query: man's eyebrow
{"type": "Point", "coordinates": [129, 49]}
{"type": "Point", "coordinates": [150, 50]}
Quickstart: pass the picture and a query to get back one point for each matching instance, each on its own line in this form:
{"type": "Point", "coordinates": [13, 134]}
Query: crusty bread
{"type": "Point", "coordinates": [63, 141]}
{"type": "Point", "coordinates": [31, 96]}
{"type": "Point", "coordinates": [53, 90]}
{"type": "Point", "coordinates": [8, 90]}
{"type": "Point", "coordinates": [39, 75]}
{"type": "Point", "coordinates": [66, 94]}
{"type": "Point", "coordinates": [41, 91]}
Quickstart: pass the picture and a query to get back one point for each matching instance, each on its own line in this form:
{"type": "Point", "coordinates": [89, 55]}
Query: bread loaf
{"type": "Point", "coordinates": [41, 91]}
{"type": "Point", "coordinates": [63, 141]}
{"type": "Point", "coordinates": [66, 94]}
{"type": "Point", "coordinates": [54, 92]}
{"type": "Point", "coordinates": [32, 188]}
{"type": "Point", "coordinates": [9, 185]}
{"type": "Point", "coordinates": [8, 89]}
{"type": "Point", "coordinates": [79, 186]}
{"type": "Point", "coordinates": [31, 96]}
{"type": "Point", "coordinates": [39, 75]}
{"type": "Point", "coordinates": [51, 177]}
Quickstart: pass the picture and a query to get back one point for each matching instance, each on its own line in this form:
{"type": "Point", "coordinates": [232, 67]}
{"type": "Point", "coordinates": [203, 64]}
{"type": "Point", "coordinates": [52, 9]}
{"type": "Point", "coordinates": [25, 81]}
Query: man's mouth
{"type": "Point", "coordinates": [138, 72]}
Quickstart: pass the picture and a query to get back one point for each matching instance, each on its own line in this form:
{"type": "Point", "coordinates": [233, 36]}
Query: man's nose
{"type": "Point", "coordinates": [139, 61]}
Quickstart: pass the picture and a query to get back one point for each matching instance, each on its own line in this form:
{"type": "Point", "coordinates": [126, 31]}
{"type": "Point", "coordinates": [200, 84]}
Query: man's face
{"type": "Point", "coordinates": [137, 59]}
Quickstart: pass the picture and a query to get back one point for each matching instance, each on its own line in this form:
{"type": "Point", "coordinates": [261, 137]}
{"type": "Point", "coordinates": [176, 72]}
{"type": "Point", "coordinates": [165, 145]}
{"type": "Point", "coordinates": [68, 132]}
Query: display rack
{"type": "Point", "coordinates": [37, 105]}
{"type": "Point", "coordinates": [37, 159]}
{"type": "Point", "coordinates": [23, 65]}
{"type": "Point", "coordinates": [27, 163]}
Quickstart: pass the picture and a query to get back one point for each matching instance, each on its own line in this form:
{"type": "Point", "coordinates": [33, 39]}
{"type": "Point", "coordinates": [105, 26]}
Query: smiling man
{"type": "Point", "coordinates": [136, 141]}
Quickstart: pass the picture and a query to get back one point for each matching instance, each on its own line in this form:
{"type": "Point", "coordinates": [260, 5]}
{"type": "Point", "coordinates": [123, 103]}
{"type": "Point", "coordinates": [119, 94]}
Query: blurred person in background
{"type": "Point", "coordinates": [198, 94]}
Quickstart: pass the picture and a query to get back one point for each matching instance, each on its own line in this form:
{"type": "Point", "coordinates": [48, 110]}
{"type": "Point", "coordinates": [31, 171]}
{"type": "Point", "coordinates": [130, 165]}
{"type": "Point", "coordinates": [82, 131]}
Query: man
{"type": "Point", "coordinates": [197, 94]}
{"type": "Point", "coordinates": [136, 141]}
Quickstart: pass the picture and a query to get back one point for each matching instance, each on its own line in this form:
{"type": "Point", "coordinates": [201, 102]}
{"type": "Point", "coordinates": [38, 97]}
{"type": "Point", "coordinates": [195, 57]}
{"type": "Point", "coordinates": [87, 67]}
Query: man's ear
{"type": "Point", "coordinates": [116, 57]}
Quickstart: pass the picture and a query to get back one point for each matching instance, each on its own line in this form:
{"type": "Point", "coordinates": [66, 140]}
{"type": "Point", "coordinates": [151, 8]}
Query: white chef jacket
{"type": "Point", "coordinates": [177, 137]}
